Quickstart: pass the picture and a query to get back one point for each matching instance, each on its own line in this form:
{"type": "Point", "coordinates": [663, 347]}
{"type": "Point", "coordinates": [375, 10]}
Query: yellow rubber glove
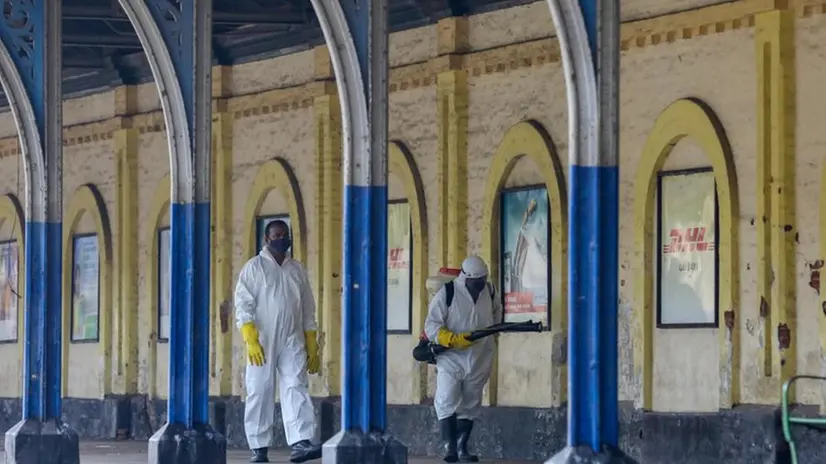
{"type": "Point", "coordinates": [255, 352]}
{"type": "Point", "coordinates": [313, 362]}
{"type": "Point", "coordinates": [452, 340]}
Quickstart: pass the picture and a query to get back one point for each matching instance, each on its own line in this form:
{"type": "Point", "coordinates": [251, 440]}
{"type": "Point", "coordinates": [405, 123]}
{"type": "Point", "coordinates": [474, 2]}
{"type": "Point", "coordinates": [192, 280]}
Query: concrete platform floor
{"type": "Point", "coordinates": [134, 452]}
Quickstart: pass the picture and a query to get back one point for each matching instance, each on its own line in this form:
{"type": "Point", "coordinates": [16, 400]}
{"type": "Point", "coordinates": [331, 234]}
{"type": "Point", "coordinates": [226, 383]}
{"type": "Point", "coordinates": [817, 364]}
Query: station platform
{"type": "Point", "coordinates": [134, 452]}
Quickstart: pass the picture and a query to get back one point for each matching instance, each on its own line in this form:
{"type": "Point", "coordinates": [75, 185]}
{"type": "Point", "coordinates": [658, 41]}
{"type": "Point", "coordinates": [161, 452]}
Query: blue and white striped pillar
{"type": "Point", "coordinates": [32, 82]}
{"type": "Point", "coordinates": [177, 37]}
{"type": "Point", "coordinates": [356, 33]}
{"type": "Point", "coordinates": [588, 32]}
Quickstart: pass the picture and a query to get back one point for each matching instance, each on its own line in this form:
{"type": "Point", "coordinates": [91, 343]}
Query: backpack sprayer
{"type": "Point", "coordinates": [427, 351]}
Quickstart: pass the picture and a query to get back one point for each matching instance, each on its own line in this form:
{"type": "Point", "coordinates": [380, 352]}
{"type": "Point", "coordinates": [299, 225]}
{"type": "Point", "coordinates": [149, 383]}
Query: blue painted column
{"type": "Point", "coordinates": [30, 69]}
{"type": "Point", "coordinates": [356, 34]}
{"type": "Point", "coordinates": [177, 37]}
{"type": "Point", "coordinates": [364, 320]}
{"type": "Point", "coordinates": [588, 32]}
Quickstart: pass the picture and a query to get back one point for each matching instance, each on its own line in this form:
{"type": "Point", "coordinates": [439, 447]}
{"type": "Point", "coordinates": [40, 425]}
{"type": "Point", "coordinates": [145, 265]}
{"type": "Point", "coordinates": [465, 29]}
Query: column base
{"type": "Point", "coordinates": [585, 455]}
{"type": "Point", "coordinates": [347, 447]}
{"type": "Point", "coordinates": [175, 444]}
{"type": "Point", "coordinates": [31, 441]}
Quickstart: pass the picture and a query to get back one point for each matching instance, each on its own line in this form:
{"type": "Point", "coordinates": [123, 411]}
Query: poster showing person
{"type": "Point", "coordinates": [399, 244]}
{"type": "Point", "coordinates": [687, 244]}
{"type": "Point", "coordinates": [261, 227]}
{"type": "Point", "coordinates": [164, 263]}
{"type": "Point", "coordinates": [525, 261]}
{"type": "Point", "coordinates": [9, 299]}
{"type": "Point", "coordinates": [85, 288]}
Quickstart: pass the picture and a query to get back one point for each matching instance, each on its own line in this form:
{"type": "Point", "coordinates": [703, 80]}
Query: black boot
{"type": "Point", "coordinates": [305, 451]}
{"type": "Point", "coordinates": [449, 431]}
{"type": "Point", "coordinates": [259, 455]}
{"type": "Point", "coordinates": [464, 427]}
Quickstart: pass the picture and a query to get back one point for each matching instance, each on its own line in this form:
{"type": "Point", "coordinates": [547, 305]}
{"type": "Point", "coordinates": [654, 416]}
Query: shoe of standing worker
{"type": "Point", "coordinates": [305, 451]}
{"type": "Point", "coordinates": [259, 455]}
{"type": "Point", "coordinates": [464, 427]}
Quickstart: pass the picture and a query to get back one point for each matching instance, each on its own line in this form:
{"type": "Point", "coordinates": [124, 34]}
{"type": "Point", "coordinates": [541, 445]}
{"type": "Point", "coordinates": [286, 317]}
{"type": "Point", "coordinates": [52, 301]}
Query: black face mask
{"type": "Point", "coordinates": [475, 287]}
{"type": "Point", "coordinates": [279, 245]}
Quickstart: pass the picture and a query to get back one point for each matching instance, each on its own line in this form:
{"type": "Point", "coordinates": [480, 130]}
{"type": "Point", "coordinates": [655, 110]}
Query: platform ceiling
{"type": "Point", "coordinates": [101, 49]}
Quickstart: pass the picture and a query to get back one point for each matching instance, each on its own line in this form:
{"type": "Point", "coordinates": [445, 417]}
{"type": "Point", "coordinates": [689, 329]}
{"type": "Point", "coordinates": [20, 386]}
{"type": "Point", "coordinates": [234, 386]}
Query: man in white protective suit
{"type": "Point", "coordinates": [275, 311]}
{"type": "Point", "coordinates": [462, 371]}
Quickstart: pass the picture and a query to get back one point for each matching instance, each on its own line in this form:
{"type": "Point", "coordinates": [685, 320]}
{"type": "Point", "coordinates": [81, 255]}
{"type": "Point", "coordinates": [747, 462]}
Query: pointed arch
{"type": "Point", "coordinates": [529, 139]}
{"type": "Point", "coordinates": [276, 174]}
{"type": "Point", "coordinates": [403, 166]}
{"type": "Point", "coordinates": [691, 118]}
{"type": "Point", "coordinates": [88, 200]}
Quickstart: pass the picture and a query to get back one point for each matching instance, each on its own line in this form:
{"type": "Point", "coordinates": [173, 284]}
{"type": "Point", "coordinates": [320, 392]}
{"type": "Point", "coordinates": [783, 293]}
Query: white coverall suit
{"type": "Point", "coordinates": [462, 374]}
{"type": "Point", "coordinates": [279, 301]}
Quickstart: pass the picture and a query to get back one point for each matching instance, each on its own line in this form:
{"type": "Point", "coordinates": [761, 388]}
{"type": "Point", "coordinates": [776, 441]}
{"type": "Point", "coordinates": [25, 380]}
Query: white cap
{"type": "Point", "coordinates": [474, 267]}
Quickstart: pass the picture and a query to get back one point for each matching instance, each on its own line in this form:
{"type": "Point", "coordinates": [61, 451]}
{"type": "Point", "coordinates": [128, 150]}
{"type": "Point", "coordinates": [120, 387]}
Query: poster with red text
{"type": "Point", "coordinates": [398, 267]}
{"type": "Point", "coordinates": [687, 249]}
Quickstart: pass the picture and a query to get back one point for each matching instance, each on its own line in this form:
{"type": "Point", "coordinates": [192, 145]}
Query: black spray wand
{"type": "Point", "coordinates": [426, 351]}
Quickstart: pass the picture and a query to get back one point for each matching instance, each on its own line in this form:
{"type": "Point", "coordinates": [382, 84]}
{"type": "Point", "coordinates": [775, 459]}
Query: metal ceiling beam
{"type": "Point", "coordinates": [130, 61]}
{"type": "Point", "coordinates": [101, 41]}
{"type": "Point", "coordinates": [241, 19]}
{"type": "Point", "coordinates": [219, 18]}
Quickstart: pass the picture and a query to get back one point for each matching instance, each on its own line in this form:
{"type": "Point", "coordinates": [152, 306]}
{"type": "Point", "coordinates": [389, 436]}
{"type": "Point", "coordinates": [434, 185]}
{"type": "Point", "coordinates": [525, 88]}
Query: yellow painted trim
{"type": "Point", "coordinates": [329, 223]}
{"type": "Point", "coordinates": [275, 174]}
{"type": "Point", "coordinates": [764, 256]}
{"type": "Point", "coordinates": [403, 166]}
{"type": "Point", "coordinates": [821, 318]}
{"type": "Point", "coordinates": [452, 101]}
{"type": "Point", "coordinates": [322, 135]}
{"type": "Point", "coordinates": [687, 118]}
{"type": "Point", "coordinates": [157, 210]}
{"type": "Point", "coordinates": [221, 257]}
{"type": "Point", "coordinates": [11, 210]}
{"type": "Point", "coordinates": [777, 280]}
{"type": "Point", "coordinates": [87, 199]}
{"type": "Point", "coordinates": [529, 139]}
{"type": "Point", "coordinates": [125, 143]}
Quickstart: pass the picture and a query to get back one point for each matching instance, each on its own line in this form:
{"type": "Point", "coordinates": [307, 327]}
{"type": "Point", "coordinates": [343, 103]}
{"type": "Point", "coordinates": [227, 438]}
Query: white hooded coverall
{"type": "Point", "coordinates": [462, 374]}
{"type": "Point", "coordinates": [279, 301]}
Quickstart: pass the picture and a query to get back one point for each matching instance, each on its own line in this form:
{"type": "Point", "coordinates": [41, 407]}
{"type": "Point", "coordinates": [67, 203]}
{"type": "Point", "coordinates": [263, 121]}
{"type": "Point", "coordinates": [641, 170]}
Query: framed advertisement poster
{"type": "Point", "coordinates": [399, 275]}
{"type": "Point", "coordinates": [261, 227]}
{"type": "Point", "coordinates": [164, 263]}
{"type": "Point", "coordinates": [9, 296]}
{"type": "Point", "coordinates": [85, 288]}
{"type": "Point", "coordinates": [525, 262]}
{"type": "Point", "coordinates": [687, 263]}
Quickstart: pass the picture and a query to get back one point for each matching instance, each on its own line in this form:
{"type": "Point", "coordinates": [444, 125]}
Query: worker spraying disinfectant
{"type": "Point", "coordinates": [463, 313]}
{"type": "Point", "coordinates": [463, 371]}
